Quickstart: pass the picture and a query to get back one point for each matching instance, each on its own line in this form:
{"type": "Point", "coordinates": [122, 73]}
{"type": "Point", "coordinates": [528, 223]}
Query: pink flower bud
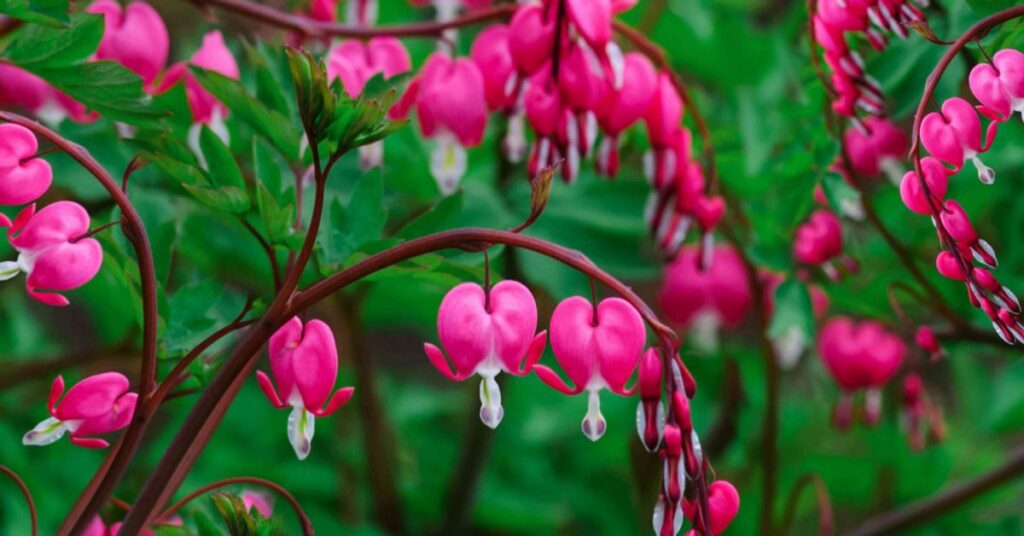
{"type": "Point", "coordinates": [596, 349]}
{"type": "Point", "coordinates": [492, 56]}
{"type": "Point", "coordinates": [1000, 86]}
{"type": "Point", "coordinates": [957, 223]}
{"type": "Point", "coordinates": [948, 265]}
{"type": "Point", "coordinates": [878, 148]}
{"type": "Point", "coordinates": [356, 62]}
{"type": "Point", "coordinates": [23, 177]}
{"type": "Point", "coordinates": [954, 135]}
{"type": "Point", "coordinates": [531, 37]}
{"type": "Point", "coordinates": [487, 334]}
{"type": "Point", "coordinates": [665, 113]}
{"type": "Point", "coordinates": [622, 108]}
{"type": "Point", "coordinates": [819, 239]}
{"type": "Point", "coordinates": [724, 504]}
{"type": "Point", "coordinates": [99, 404]}
{"type": "Point", "coordinates": [580, 79]}
{"type": "Point", "coordinates": [135, 37]}
{"type": "Point", "coordinates": [52, 250]}
{"type": "Point", "coordinates": [650, 413]}
{"type": "Point", "coordinates": [936, 177]}
{"type": "Point", "coordinates": [262, 502]}
{"type": "Point", "coordinates": [925, 339]}
{"type": "Point", "coordinates": [859, 355]}
{"type": "Point", "coordinates": [722, 291]}
{"type": "Point", "coordinates": [304, 363]}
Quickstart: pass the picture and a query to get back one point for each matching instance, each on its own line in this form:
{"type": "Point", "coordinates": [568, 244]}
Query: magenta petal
{"type": "Point", "coordinates": [619, 337]}
{"type": "Point", "coordinates": [437, 359]}
{"type": "Point", "coordinates": [388, 56]}
{"type": "Point", "coordinates": [593, 19]}
{"type": "Point", "coordinates": [92, 397]}
{"type": "Point", "coordinates": [268, 389]}
{"type": "Point", "coordinates": [56, 389]}
{"type": "Point", "coordinates": [23, 179]}
{"type": "Point", "coordinates": [59, 222]}
{"type": "Point", "coordinates": [280, 347]}
{"type": "Point", "coordinates": [549, 377]}
{"type": "Point", "coordinates": [513, 321]}
{"type": "Point", "coordinates": [340, 398]}
{"type": "Point", "coordinates": [465, 329]}
{"type": "Point", "coordinates": [66, 266]}
{"type": "Point", "coordinates": [89, 442]}
{"type": "Point", "coordinates": [120, 414]}
{"type": "Point", "coordinates": [572, 339]}
{"type": "Point", "coordinates": [315, 364]}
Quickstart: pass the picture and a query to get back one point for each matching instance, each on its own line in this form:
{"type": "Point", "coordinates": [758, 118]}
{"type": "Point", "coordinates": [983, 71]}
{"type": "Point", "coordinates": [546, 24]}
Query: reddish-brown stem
{"type": "Point", "coordinates": [275, 268]}
{"type": "Point", "coordinates": [313, 28]}
{"type": "Point", "coordinates": [307, 525]}
{"type": "Point", "coordinates": [102, 484]}
{"type": "Point", "coordinates": [28, 497]}
{"type": "Point", "coordinates": [941, 503]}
{"type": "Point", "coordinates": [826, 522]}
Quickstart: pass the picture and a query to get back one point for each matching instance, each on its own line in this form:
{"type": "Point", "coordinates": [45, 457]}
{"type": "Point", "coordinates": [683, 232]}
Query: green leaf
{"type": "Point", "coordinates": [841, 196]}
{"type": "Point", "coordinates": [49, 12]}
{"type": "Point", "coordinates": [105, 87]}
{"type": "Point", "coordinates": [443, 215]}
{"type": "Point", "coordinates": [366, 211]}
{"type": "Point", "coordinates": [225, 199]}
{"type": "Point", "coordinates": [38, 46]}
{"type": "Point", "coordinates": [276, 220]}
{"type": "Point", "coordinates": [792, 310]}
{"type": "Point", "coordinates": [267, 171]}
{"type": "Point", "coordinates": [269, 123]}
{"type": "Point", "coordinates": [220, 163]}
{"type": "Point", "coordinates": [269, 88]}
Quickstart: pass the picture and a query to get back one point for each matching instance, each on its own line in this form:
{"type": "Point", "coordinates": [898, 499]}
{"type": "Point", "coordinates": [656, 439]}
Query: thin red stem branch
{"type": "Point", "coordinates": [307, 525]}
{"type": "Point", "coordinates": [28, 497]}
{"type": "Point", "coordinates": [275, 268]}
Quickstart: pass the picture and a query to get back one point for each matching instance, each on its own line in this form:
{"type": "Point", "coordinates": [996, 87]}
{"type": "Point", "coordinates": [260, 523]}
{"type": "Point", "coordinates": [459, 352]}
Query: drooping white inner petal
{"type": "Point", "coordinates": [301, 425]}
{"type": "Point", "coordinates": [491, 411]}
{"type": "Point", "coordinates": [371, 156]}
{"type": "Point", "coordinates": [594, 424]}
{"type": "Point", "coordinates": [704, 330]}
{"type": "Point", "coordinates": [514, 144]}
{"type": "Point", "coordinates": [892, 169]}
{"type": "Point", "coordinates": [45, 432]}
{"type": "Point", "coordinates": [9, 269]}
{"type": "Point", "coordinates": [447, 163]}
{"type": "Point", "coordinates": [985, 174]}
{"type": "Point", "coordinates": [790, 346]}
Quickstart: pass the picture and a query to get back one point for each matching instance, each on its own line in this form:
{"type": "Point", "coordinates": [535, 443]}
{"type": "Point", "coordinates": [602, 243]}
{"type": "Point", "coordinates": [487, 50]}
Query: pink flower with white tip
{"type": "Point", "coordinates": [355, 63]}
{"type": "Point", "coordinates": [53, 249]}
{"type": "Point", "coordinates": [650, 413]}
{"type": "Point", "coordinates": [134, 36]}
{"type": "Point", "coordinates": [664, 118]}
{"type": "Point", "coordinates": [213, 55]}
{"type": "Point", "coordinates": [877, 147]}
{"type": "Point", "coordinates": [487, 333]}
{"type": "Point", "coordinates": [99, 404]}
{"type": "Point", "coordinates": [860, 356]}
{"type": "Point", "coordinates": [954, 136]}
{"type": "Point", "coordinates": [999, 86]}
{"type": "Point", "coordinates": [304, 362]}
{"type": "Point", "coordinates": [959, 226]}
{"type": "Point", "coordinates": [502, 86]}
{"type": "Point", "coordinates": [819, 240]}
{"type": "Point", "coordinates": [705, 300]}
{"type": "Point", "coordinates": [23, 177]}
{"type": "Point", "coordinates": [452, 109]}
{"type": "Point", "coordinates": [623, 107]}
{"type": "Point", "coordinates": [597, 349]}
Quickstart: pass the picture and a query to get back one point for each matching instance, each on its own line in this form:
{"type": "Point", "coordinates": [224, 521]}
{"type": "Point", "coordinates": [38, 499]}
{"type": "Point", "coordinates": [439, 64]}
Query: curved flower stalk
{"type": "Point", "coordinates": [23, 177]}
{"type": "Point", "coordinates": [487, 332]}
{"type": "Point", "coordinates": [860, 356]}
{"type": "Point", "coordinates": [304, 362]}
{"type": "Point", "coordinates": [598, 349]}
{"type": "Point", "coordinates": [54, 250]}
{"type": "Point", "coordinates": [99, 404]}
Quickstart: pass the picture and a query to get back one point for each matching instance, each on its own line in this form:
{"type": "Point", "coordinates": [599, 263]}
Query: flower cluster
{"type": "Point", "coordinates": [99, 404]}
{"type": "Point", "coordinates": [860, 356]}
{"type": "Point", "coordinates": [54, 248]}
{"type": "Point", "coordinates": [953, 136]}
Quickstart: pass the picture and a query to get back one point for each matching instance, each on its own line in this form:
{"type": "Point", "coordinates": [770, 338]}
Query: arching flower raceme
{"type": "Point", "coordinates": [597, 350]}
{"type": "Point", "coordinates": [134, 36]}
{"type": "Point", "coordinates": [355, 63]}
{"type": "Point", "coordinates": [999, 86]}
{"type": "Point", "coordinates": [954, 136]}
{"type": "Point", "coordinates": [262, 502]}
{"type": "Point", "coordinates": [99, 404]}
{"type": "Point", "coordinates": [878, 147]}
{"type": "Point", "coordinates": [452, 110]}
{"type": "Point", "coordinates": [705, 300]}
{"type": "Point", "coordinates": [819, 240]}
{"type": "Point", "coordinates": [53, 250]}
{"type": "Point", "coordinates": [859, 356]}
{"type": "Point", "coordinates": [23, 177]}
{"type": "Point", "coordinates": [487, 333]}
{"type": "Point", "coordinates": [304, 362]}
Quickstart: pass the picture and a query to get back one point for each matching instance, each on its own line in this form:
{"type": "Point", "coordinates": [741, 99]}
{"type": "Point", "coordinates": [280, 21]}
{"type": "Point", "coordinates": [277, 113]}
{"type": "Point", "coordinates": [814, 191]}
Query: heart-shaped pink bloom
{"type": "Point", "coordinates": [531, 38]}
{"type": "Point", "coordinates": [860, 355]}
{"type": "Point", "coordinates": [819, 239]}
{"type": "Point", "coordinates": [355, 62]}
{"type": "Point", "coordinates": [842, 15]}
{"type": "Point", "coordinates": [621, 108]}
{"type": "Point", "coordinates": [665, 113]}
{"type": "Point", "coordinates": [135, 37]}
{"type": "Point", "coordinates": [451, 99]}
{"type": "Point", "coordinates": [52, 250]}
{"type": "Point", "coordinates": [592, 19]}
{"type": "Point", "coordinates": [492, 56]}
{"type": "Point", "coordinates": [878, 148]}
{"type": "Point", "coordinates": [936, 177]}
{"type": "Point", "coordinates": [304, 362]}
{"type": "Point", "coordinates": [99, 404]}
{"type": "Point", "coordinates": [213, 55]}
{"type": "Point", "coordinates": [581, 79]}
{"type": "Point", "coordinates": [597, 350]}
{"type": "Point", "coordinates": [23, 177]}
{"type": "Point", "coordinates": [487, 334]}
{"type": "Point", "coordinates": [954, 135]}
{"type": "Point", "coordinates": [722, 291]}
{"type": "Point", "coordinates": [1000, 86]}
{"type": "Point", "coordinates": [324, 10]}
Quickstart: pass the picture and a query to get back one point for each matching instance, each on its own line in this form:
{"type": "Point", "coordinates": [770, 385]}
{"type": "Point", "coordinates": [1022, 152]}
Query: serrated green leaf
{"type": "Point", "coordinates": [105, 87]}
{"type": "Point", "coordinates": [267, 171]}
{"type": "Point", "coordinates": [37, 46]}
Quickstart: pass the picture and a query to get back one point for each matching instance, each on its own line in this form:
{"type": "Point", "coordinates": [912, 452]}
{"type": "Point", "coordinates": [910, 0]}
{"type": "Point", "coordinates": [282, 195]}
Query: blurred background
{"type": "Point", "coordinates": [409, 455]}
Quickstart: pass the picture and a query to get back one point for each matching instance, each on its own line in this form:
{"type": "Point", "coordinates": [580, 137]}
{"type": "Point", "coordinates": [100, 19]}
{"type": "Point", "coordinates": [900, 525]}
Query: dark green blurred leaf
{"type": "Point", "coordinates": [38, 47]}
{"type": "Point", "coordinates": [49, 12]}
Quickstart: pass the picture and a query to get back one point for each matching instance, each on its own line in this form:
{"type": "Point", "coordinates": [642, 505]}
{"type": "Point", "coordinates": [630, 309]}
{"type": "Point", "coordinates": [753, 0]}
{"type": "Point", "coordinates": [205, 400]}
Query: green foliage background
{"type": "Point", "coordinates": [747, 62]}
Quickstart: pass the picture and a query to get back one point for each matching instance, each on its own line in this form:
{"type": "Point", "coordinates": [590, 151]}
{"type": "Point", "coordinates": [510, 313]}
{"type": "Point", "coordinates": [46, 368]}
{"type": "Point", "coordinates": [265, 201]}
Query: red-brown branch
{"type": "Point", "coordinates": [28, 497]}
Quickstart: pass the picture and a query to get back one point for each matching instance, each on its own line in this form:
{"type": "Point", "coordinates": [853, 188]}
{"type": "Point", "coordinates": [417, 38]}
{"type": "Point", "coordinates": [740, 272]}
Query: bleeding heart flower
{"type": "Point", "coordinates": [134, 36]}
{"type": "Point", "coordinates": [819, 239]}
{"type": "Point", "coordinates": [213, 55]}
{"type": "Point", "coordinates": [262, 502]}
{"type": "Point", "coordinates": [623, 107]}
{"type": "Point", "coordinates": [23, 177]}
{"type": "Point", "coordinates": [959, 226]}
{"type": "Point", "coordinates": [452, 109]}
{"type": "Point", "coordinates": [531, 37]}
{"type": "Point", "coordinates": [99, 404]}
{"type": "Point", "coordinates": [954, 135]}
{"type": "Point", "coordinates": [596, 349]}
{"type": "Point", "coordinates": [492, 56]}
{"type": "Point", "coordinates": [53, 249]}
{"type": "Point", "coordinates": [705, 300]}
{"type": "Point", "coordinates": [304, 362]}
{"type": "Point", "coordinates": [663, 119]}
{"type": "Point", "coordinates": [356, 62]}
{"type": "Point", "coordinates": [936, 177]}
{"type": "Point", "coordinates": [1000, 86]}
{"type": "Point", "coordinates": [878, 147]}
{"type": "Point", "coordinates": [859, 355]}
{"type": "Point", "coordinates": [650, 413]}
{"type": "Point", "coordinates": [487, 333]}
